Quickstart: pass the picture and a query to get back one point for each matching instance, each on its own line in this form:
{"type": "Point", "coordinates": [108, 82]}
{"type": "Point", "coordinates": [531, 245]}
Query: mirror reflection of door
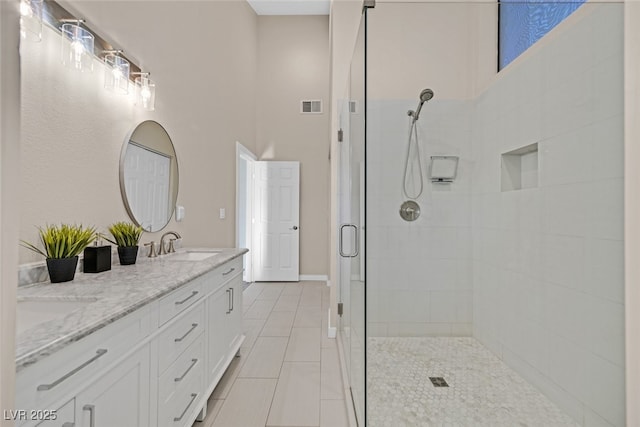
{"type": "Point", "coordinates": [146, 176]}
{"type": "Point", "coordinates": [149, 176]}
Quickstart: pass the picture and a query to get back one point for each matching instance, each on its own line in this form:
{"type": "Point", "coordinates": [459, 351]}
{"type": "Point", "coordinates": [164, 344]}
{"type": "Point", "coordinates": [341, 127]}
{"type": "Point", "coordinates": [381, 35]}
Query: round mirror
{"type": "Point", "coordinates": [149, 176]}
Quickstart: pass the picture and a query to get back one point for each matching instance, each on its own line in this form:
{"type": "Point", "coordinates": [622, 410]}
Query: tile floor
{"type": "Point", "coordinates": [483, 390]}
{"type": "Point", "coordinates": [288, 373]}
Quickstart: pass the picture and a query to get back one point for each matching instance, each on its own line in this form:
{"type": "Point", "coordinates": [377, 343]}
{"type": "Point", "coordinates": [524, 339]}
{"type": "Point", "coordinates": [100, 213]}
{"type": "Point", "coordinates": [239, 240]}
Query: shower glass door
{"type": "Point", "coordinates": [352, 240]}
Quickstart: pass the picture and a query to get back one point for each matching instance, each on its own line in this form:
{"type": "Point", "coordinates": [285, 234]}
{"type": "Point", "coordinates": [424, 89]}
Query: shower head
{"type": "Point", "coordinates": [425, 96]}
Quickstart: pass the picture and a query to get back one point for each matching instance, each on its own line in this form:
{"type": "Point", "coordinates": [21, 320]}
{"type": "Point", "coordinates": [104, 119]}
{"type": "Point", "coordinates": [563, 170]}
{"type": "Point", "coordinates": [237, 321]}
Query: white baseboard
{"type": "Point", "coordinates": [314, 277]}
{"type": "Point", "coordinates": [332, 331]}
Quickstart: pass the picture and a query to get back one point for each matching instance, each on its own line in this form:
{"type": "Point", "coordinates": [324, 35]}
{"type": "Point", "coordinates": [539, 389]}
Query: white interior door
{"type": "Point", "coordinates": [276, 231]}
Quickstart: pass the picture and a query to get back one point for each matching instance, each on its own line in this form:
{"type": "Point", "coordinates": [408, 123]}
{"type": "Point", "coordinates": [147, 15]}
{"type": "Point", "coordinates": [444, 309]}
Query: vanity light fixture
{"type": "Point", "coordinates": [145, 96]}
{"type": "Point", "coordinates": [77, 45]}
{"type": "Point", "coordinates": [116, 73]}
{"type": "Point", "coordinates": [31, 20]}
{"type": "Point", "coordinates": [81, 46]}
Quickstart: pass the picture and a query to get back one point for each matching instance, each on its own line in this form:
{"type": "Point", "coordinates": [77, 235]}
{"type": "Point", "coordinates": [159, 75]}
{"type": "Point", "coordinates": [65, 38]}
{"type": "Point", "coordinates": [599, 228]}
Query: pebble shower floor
{"type": "Point", "coordinates": [483, 390]}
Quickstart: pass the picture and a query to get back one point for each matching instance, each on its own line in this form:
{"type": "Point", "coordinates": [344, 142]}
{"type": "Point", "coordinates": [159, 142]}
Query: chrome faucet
{"type": "Point", "coordinates": [163, 249]}
{"type": "Point", "coordinates": [152, 249]}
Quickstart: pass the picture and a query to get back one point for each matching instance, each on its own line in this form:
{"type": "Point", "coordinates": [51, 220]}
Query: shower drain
{"type": "Point", "coordinates": [438, 382]}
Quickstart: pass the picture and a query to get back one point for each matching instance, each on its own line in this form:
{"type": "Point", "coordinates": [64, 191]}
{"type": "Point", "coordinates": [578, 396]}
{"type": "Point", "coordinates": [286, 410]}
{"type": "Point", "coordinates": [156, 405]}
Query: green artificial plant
{"type": "Point", "coordinates": [125, 234]}
{"type": "Point", "coordinates": [62, 241]}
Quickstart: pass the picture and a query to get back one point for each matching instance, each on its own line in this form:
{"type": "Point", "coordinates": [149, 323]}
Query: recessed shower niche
{"type": "Point", "coordinates": [520, 168]}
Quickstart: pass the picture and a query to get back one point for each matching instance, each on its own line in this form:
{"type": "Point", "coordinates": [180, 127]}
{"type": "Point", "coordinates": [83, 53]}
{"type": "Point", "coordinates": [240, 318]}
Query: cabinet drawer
{"type": "Point", "coordinates": [227, 271]}
{"type": "Point", "coordinates": [64, 416]}
{"type": "Point", "coordinates": [187, 365]}
{"type": "Point", "coordinates": [64, 372]}
{"type": "Point", "coordinates": [179, 300]}
{"type": "Point", "coordinates": [183, 407]}
{"type": "Point", "coordinates": [179, 335]}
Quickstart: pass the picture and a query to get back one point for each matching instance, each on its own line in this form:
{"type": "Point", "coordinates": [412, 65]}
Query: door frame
{"type": "Point", "coordinates": [244, 154]}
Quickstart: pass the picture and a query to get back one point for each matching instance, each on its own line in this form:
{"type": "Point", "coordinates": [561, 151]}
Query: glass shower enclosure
{"type": "Point", "coordinates": [502, 301]}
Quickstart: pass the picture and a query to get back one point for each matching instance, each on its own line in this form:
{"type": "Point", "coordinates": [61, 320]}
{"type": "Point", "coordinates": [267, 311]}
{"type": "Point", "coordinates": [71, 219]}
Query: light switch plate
{"type": "Point", "coordinates": [223, 213]}
{"type": "Point", "coordinates": [179, 213]}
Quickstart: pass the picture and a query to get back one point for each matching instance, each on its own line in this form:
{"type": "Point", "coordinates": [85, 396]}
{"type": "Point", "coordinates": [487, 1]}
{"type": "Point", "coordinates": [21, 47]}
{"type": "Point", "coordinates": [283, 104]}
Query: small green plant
{"type": "Point", "coordinates": [126, 234]}
{"type": "Point", "coordinates": [62, 241]}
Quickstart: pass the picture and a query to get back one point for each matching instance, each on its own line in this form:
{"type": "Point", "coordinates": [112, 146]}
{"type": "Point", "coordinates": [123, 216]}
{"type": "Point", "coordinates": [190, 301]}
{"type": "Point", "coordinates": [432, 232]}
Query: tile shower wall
{"type": "Point", "coordinates": [419, 273]}
{"type": "Point", "coordinates": [548, 261]}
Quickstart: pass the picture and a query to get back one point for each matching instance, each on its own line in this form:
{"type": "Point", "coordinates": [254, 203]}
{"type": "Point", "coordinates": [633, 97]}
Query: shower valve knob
{"type": "Point", "coordinates": [410, 210]}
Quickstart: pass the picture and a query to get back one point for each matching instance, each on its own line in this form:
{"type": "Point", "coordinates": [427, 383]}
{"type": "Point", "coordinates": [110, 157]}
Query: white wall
{"type": "Point", "coordinates": [632, 207]}
{"type": "Point", "coordinates": [293, 64]}
{"type": "Point", "coordinates": [73, 129]}
{"type": "Point", "coordinates": [9, 197]}
{"type": "Point", "coordinates": [416, 45]}
{"type": "Point", "coordinates": [419, 273]}
{"type": "Point", "coordinates": [548, 261]}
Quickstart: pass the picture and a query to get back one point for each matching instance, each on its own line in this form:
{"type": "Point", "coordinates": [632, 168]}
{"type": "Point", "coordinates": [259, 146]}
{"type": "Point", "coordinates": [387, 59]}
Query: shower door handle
{"type": "Point", "coordinates": [357, 242]}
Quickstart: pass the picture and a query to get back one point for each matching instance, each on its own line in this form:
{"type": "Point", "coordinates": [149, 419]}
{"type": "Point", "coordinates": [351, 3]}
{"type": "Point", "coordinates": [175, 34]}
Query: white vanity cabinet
{"type": "Point", "coordinates": [120, 397]}
{"type": "Point", "coordinates": [235, 324]}
{"type": "Point", "coordinates": [87, 369]}
{"type": "Point", "coordinates": [224, 327]}
{"type": "Point", "coordinates": [217, 308]}
{"type": "Point", "coordinates": [180, 354]}
{"type": "Point", "coordinates": [155, 366]}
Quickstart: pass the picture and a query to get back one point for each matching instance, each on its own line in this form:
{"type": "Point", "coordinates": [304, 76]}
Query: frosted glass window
{"type": "Point", "coordinates": [522, 23]}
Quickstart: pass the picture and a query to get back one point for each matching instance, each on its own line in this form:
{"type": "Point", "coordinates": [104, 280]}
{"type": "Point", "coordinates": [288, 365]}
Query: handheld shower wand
{"type": "Point", "coordinates": [425, 96]}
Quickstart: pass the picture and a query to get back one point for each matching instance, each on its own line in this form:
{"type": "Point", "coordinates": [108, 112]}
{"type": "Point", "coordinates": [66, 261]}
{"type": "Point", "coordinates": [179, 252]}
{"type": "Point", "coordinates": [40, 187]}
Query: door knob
{"type": "Point", "coordinates": [295, 227]}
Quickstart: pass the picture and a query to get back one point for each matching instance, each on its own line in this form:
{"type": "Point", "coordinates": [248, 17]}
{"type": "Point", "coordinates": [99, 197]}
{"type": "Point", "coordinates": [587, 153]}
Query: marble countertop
{"type": "Point", "coordinates": [110, 295]}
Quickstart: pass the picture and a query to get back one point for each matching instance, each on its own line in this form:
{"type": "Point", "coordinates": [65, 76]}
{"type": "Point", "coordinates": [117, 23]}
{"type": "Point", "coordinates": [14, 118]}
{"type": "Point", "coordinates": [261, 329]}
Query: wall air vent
{"type": "Point", "coordinates": [311, 106]}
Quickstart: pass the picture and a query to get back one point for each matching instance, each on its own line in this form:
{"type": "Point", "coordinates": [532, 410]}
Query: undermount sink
{"type": "Point", "coordinates": [34, 311]}
{"type": "Point", "coordinates": [194, 255]}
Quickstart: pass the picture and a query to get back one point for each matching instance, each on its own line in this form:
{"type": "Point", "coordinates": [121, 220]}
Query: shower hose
{"type": "Point", "coordinates": [413, 136]}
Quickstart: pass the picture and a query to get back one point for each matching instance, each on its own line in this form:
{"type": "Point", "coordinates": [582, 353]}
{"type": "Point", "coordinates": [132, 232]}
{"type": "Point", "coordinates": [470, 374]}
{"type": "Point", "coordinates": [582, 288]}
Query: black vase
{"type": "Point", "coordinates": [62, 269]}
{"type": "Point", "coordinates": [127, 254]}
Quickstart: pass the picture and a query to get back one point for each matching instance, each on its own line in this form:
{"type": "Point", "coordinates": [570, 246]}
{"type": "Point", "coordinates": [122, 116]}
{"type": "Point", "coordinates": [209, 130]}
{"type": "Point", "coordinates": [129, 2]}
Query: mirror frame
{"type": "Point", "coordinates": [123, 190]}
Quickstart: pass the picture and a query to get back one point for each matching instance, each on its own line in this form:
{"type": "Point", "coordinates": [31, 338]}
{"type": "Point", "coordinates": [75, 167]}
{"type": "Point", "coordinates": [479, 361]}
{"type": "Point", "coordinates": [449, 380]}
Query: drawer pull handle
{"type": "Point", "coordinates": [232, 297]}
{"type": "Point", "coordinates": [92, 414]}
{"type": "Point", "coordinates": [193, 294]}
{"type": "Point", "coordinates": [193, 326]}
{"type": "Point", "coordinates": [229, 272]}
{"type": "Point", "coordinates": [228, 301]}
{"type": "Point", "coordinates": [193, 397]}
{"type": "Point", "coordinates": [43, 387]}
{"type": "Point", "coordinates": [193, 363]}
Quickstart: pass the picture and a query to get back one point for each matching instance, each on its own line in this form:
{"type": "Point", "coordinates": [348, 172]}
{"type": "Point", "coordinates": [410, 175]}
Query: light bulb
{"type": "Point", "coordinates": [145, 93]}
{"type": "Point", "coordinates": [78, 49]}
{"type": "Point", "coordinates": [117, 73]}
